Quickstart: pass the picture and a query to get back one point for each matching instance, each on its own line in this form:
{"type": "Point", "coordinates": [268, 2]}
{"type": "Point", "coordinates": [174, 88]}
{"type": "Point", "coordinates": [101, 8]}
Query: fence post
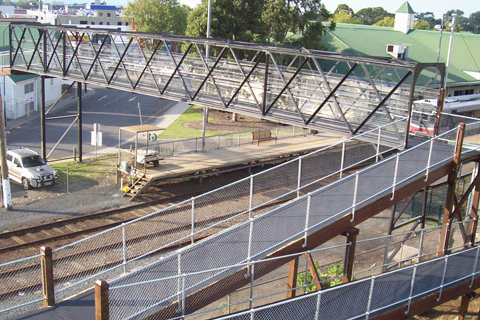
{"type": "Point", "coordinates": [48, 291]}
{"type": "Point", "coordinates": [378, 144]}
{"type": "Point", "coordinates": [395, 177]}
{"type": "Point", "coordinates": [412, 283]}
{"type": "Point", "coordinates": [307, 217]}
{"type": "Point", "coordinates": [354, 197]}
{"type": "Point", "coordinates": [443, 278]}
{"type": "Point", "coordinates": [193, 221]}
{"type": "Point", "coordinates": [250, 205]}
{"type": "Point", "coordinates": [102, 311]}
{"type": "Point", "coordinates": [124, 248]}
{"type": "Point", "coordinates": [343, 159]}
{"type": "Point", "coordinates": [472, 224]}
{"type": "Point", "coordinates": [450, 199]}
{"type": "Point", "coordinates": [369, 303]}
{"type": "Point", "coordinates": [317, 308]}
{"type": "Point", "coordinates": [429, 160]}
{"type": "Point", "coordinates": [239, 139]}
{"type": "Point", "coordinates": [252, 275]}
{"type": "Point", "coordinates": [68, 184]}
{"type": "Point", "coordinates": [349, 254]}
{"type": "Point", "coordinates": [299, 184]}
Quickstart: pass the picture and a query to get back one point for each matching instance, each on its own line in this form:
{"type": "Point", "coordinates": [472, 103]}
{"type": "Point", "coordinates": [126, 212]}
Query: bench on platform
{"type": "Point", "coordinates": [263, 135]}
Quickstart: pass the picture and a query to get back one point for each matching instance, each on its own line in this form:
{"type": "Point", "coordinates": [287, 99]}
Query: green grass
{"type": "Point", "coordinates": [90, 169]}
{"type": "Point", "coordinates": [177, 130]}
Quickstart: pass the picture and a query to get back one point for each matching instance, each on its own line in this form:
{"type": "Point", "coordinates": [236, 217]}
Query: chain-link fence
{"type": "Point", "coordinates": [171, 148]}
{"type": "Point", "coordinates": [375, 295]}
{"type": "Point", "coordinates": [21, 286]}
{"type": "Point", "coordinates": [258, 230]}
{"type": "Point", "coordinates": [174, 293]}
{"type": "Point", "coordinates": [262, 234]}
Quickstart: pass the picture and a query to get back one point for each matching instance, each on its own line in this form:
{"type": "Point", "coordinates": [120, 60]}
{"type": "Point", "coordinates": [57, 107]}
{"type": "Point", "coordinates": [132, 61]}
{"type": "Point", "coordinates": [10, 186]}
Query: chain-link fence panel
{"type": "Point", "coordinates": [21, 288]}
{"type": "Point", "coordinates": [390, 291]}
{"type": "Point", "coordinates": [75, 266]}
{"type": "Point", "coordinates": [459, 266]}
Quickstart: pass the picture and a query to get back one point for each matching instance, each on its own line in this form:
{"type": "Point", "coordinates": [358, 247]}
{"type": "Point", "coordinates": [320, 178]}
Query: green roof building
{"type": "Point", "coordinates": [414, 45]}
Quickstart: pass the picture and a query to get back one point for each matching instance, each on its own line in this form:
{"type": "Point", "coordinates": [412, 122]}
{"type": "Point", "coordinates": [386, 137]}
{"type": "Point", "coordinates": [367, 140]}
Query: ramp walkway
{"type": "Point", "coordinates": [303, 223]}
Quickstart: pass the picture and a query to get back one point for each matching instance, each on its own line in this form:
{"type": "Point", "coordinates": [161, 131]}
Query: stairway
{"type": "Point", "coordinates": [137, 187]}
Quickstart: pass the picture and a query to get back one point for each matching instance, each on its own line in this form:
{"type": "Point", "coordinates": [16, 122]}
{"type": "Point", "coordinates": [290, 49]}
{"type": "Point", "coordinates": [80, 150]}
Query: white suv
{"type": "Point", "coordinates": [25, 166]}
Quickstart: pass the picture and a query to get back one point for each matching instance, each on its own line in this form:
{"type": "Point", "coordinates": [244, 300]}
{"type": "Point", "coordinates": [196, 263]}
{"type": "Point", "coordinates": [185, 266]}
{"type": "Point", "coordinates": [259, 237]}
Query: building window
{"type": "Point", "coordinates": [109, 14]}
{"type": "Point", "coordinates": [119, 23]}
{"type": "Point", "coordinates": [29, 87]}
{"type": "Point", "coordinates": [93, 22]}
{"type": "Point", "coordinates": [108, 23]}
{"type": "Point", "coordinates": [83, 22]}
{"type": "Point", "coordinates": [126, 23]}
{"type": "Point", "coordinates": [100, 14]}
{"type": "Point", "coordinates": [100, 22]}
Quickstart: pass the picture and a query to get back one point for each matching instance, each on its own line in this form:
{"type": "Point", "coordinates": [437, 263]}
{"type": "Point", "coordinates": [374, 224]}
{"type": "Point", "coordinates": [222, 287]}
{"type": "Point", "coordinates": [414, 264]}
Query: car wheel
{"type": "Point", "coordinates": [25, 184]}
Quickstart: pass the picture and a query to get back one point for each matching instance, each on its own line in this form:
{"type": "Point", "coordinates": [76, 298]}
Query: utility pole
{"type": "Point", "coordinates": [7, 195]}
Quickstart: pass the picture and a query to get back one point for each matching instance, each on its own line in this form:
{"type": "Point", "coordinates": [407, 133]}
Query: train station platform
{"type": "Point", "coordinates": [198, 164]}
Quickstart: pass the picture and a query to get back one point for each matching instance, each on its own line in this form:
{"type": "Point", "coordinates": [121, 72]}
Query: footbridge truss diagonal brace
{"type": "Point", "coordinates": [308, 88]}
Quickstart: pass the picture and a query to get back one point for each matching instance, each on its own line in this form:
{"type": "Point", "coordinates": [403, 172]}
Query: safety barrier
{"type": "Point", "coordinates": [263, 234]}
{"type": "Point", "coordinates": [174, 289]}
{"type": "Point", "coordinates": [114, 251]}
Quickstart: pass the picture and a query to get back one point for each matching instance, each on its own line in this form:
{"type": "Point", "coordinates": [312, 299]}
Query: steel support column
{"type": "Point", "coordinates": [472, 225]}
{"type": "Point", "coordinates": [462, 310]}
{"type": "Point", "coordinates": [349, 254]}
{"type": "Point", "coordinates": [450, 200]}
{"type": "Point", "coordinates": [79, 115]}
{"type": "Point", "coordinates": [43, 145]}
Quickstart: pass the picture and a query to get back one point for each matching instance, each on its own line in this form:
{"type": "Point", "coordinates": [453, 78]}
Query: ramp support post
{"type": "Point", "coordinates": [48, 291]}
{"type": "Point", "coordinates": [349, 254]}
{"type": "Point", "coordinates": [450, 200]}
{"type": "Point", "coordinates": [101, 300]}
{"type": "Point", "coordinates": [292, 278]}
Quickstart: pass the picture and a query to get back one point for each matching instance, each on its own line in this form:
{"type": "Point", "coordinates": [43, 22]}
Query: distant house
{"type": "Point", "coordinates": [402, 42]}
{"type": "Point", "coordinates": [21, 93]}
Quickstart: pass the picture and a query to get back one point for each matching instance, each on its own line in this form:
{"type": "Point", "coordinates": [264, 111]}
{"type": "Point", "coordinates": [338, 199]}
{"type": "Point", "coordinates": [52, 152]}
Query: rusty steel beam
{"type": "Point", "coordinates": [448, 213]}
{"type": "Point", "coordinates": [292, 278]}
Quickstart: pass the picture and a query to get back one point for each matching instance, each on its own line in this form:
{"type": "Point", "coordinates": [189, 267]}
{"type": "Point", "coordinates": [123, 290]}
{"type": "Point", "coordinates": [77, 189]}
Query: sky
{"type": "Point", "coordinates": [438, 7]}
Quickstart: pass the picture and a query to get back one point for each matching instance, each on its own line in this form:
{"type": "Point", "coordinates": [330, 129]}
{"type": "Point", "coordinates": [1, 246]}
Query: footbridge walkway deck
{"type": "Point", "coordinates": [307, 88]}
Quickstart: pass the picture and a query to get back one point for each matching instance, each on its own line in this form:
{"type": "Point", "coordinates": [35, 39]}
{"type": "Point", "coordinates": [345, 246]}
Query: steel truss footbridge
{"type": "Point", "coordinates": [308, 88]}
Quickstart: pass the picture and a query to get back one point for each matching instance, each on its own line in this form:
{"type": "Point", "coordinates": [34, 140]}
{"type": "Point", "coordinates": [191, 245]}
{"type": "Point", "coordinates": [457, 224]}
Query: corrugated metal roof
{"type": "Point", "coordinates": [422, 46]}
{"type": "Point", "coordinates": [21, 77]}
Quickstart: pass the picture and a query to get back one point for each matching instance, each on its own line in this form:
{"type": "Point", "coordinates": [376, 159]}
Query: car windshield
{"type": "Point", "coordinates": [32, 161]}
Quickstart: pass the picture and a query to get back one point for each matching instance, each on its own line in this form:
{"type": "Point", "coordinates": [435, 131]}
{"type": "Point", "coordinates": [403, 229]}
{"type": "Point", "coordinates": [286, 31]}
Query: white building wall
{"type": "Point", "coordinates": [403, 22]}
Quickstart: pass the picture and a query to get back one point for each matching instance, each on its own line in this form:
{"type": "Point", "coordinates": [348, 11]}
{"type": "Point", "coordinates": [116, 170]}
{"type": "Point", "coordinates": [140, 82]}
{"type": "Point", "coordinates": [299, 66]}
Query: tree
{"type": "Point", "coordinates": [157, 16]}
{"type": "Point", "coordinates": [294, 16]}
{"type": "Point", "coordinates": [372, 15]}
{"type": "Point", "coordinates": [428, 17]}
{"type": "Point", "coordinates": [474, 23]}
{"type": "Point", "coordinates": [344, 17]}
{"type": "Point", "coordinates": [385, 22]}
{"type": "Point", "coordinates": [268, 21]}
{"type": "Point", "coordinates": [421, 25]}
{"type": "Point", "coordinates": [236, 20]}
{"type": "Point", "coordinates": [345, 8]}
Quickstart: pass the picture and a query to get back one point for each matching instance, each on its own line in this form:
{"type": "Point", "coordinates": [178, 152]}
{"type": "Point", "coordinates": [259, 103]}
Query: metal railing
{"type": "Point", "coordinates": [172, 148]}
{"type": "Point", "coordinates": [179, 286]}
{"type": "Point", "coordinates": [377, 294]}
{"type": "Point", "coordinates": [262, 234]}
{"type": "Point", "coordinates": [112, 252]}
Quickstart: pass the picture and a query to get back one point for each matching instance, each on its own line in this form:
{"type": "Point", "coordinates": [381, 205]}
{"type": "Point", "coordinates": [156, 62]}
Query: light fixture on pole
{"type": "Point", "coordinates": [209, 19]}
{"type": "Point", "coordinates": [452, 27]}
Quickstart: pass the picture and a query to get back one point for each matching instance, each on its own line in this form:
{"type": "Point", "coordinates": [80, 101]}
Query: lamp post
{"type": "Point", "coordinates": [454, 17]}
